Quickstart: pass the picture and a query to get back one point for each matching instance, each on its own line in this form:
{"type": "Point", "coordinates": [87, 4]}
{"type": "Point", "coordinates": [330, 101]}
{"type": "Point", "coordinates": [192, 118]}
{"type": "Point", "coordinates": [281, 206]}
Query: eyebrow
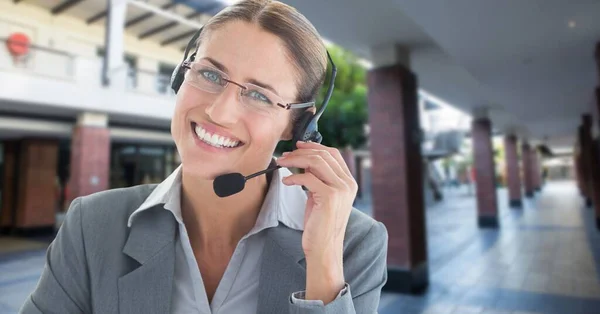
{"type": "Point", "coordinates": [223, 68]}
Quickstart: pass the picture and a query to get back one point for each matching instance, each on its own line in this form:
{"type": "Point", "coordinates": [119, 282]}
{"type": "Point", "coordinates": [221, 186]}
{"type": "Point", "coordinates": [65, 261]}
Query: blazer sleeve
{"type": "Point", "coordinates": [64, 284]}
{"type": "Point", "coordinates": [365, 269]}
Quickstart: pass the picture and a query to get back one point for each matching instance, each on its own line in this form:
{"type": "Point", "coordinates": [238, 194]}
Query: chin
{"type": "Point", "coordinates": [202, 170]}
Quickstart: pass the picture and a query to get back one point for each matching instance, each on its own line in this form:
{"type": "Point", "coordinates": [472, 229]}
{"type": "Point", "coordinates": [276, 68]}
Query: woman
{"type": "Point", "coordinates": [177, 247]}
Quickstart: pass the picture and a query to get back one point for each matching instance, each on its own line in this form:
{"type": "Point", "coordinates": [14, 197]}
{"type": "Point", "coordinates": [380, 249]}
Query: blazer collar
{"type": "Point", "coordinates": [151, 243]}
{"type": "Point", "coordinates": [282, 203]}
{"type": "Point", "coordinates": [153, 234]}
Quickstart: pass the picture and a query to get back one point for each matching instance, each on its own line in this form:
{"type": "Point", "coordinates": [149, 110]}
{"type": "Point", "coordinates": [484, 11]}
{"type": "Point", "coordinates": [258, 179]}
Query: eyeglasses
{"type": "Point", "coordinates": [254, 98]}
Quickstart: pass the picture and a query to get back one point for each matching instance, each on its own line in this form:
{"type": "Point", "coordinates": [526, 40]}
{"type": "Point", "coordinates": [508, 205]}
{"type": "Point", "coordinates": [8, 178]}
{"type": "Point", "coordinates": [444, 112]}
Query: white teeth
{"type": "Point", "coordinates": [214, 139]}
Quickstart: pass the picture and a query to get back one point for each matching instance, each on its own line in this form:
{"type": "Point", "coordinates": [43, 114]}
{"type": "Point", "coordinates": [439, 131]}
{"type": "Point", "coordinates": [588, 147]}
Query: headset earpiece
{"type": "Point", "coordinates": [179, 74]}
{"type": "Point", "coordinates": [306, 129]}
{"type": "Point", "coordinates": [177, 78]}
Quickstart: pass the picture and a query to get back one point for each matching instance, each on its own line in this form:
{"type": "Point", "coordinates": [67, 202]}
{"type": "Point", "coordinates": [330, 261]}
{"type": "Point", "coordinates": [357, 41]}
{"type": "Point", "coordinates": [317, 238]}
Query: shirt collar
{"type": "Point", "coordinates": [285, 204]}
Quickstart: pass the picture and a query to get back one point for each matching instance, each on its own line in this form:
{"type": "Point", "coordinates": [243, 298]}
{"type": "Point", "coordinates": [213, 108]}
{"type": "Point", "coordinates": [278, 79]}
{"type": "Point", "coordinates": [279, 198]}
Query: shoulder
{"type": "Point", "coordinates": [104, 215]}
{"type": "Point", "coordinates": [113, 204]}
{"type": "Point", "coordinates": [362, 228]}
{"type": "Point", "coordinates": [365, 254]}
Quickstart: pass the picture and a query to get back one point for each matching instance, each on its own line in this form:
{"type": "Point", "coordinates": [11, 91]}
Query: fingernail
{"type": "Point", "coordinates": [285, 153]}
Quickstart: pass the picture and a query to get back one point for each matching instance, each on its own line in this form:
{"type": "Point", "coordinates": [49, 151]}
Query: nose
{"type": "Point", "coordinates": [225, 109]}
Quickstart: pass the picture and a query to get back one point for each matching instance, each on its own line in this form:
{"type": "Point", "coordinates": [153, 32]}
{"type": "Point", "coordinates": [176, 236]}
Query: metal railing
{"type": "Point", "coordinates": [39, 60]}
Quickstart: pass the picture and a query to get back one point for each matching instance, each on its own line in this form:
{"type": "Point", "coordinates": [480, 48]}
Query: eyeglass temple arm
{"type": "Point", "coordinates": [296, 106]}
{"type": "Point", "coordinates": [327, 96]}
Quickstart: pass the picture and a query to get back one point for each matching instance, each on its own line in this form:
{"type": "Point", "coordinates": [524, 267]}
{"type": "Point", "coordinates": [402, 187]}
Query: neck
{"type": "Point", "coordinates": [214, 222]}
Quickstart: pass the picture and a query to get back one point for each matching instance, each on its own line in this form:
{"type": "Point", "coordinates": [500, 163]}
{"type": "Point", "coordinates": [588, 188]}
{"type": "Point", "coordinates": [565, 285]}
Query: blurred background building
{"type": "Point", "coordinates": [453, 116]}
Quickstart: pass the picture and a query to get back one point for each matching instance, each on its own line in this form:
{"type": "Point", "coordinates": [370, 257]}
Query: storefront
{"type": "Point", "coordinates": [132, 164]}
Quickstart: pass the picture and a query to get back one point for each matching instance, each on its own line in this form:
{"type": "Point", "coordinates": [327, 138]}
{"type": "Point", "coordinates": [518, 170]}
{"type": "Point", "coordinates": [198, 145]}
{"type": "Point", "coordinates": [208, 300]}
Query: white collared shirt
{"type": "Point", "coordinates": [237, 291]}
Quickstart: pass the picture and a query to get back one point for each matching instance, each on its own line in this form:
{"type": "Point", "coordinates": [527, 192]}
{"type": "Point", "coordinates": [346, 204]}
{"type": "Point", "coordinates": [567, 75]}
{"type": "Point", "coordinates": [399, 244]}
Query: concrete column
{"type": "Point", "coordinates": [90, 156]}
{"type": "Point", "coordinates": [397, 175]}
{"type": "Point", "coordinates": [114, 70]}
{"type": "Point", "coordinates": [513, 172]}
{"type": "Point", "coordinates": [527, 169]}
{"type": "Point", "coordinates": [485, 174]}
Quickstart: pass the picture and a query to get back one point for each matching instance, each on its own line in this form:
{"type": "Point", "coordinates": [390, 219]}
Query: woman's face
{"type": "Point", "coordinates": [208, 119]}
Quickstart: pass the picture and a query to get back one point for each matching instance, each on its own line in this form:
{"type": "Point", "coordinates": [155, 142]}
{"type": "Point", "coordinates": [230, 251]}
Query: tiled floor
{"type": "Point", "coordinates": [544, 258]}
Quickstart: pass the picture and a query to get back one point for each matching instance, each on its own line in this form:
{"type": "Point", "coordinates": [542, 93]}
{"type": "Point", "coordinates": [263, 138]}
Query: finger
{"type": "Point", "coordinates": [314, 164]}
{"type": "Point", "coordinates": [309, 180]}
{"type": "Point", "coordinates": [333, 163]}
{"type": "Point", "coordinates": [333, 151]}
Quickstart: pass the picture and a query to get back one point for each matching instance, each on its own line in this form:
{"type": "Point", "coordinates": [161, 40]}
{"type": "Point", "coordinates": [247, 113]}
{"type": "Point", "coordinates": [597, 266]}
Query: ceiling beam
{"type": "Point", "coordinates": [165, 14]}
{"type": "Point", "coordinates": [97, 17]}
{"type": "Point", "coordinates": [178, 37]}
{"type": "Point", "coordinates": [148, 15]}
{"type": "Point", "coordinates": [64, 6]}
{"type": "Point", "coordinates": [166, 26]}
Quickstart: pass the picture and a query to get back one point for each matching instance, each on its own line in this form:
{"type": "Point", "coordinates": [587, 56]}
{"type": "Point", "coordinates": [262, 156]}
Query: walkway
{"type": "Point", "coordinates": [545, 258]}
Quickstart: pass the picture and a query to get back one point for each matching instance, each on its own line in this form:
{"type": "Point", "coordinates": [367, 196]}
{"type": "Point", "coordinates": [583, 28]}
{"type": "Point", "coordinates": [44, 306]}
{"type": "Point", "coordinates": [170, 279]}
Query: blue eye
{"type": "Point", "coordinates": [211, 76]}
{"type": "Point", "coordinates": [258, 96]}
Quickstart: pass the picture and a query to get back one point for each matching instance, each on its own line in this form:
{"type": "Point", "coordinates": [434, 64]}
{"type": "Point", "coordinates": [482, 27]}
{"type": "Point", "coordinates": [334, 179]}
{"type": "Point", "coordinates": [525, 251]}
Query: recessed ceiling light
{"type": "Point", "coordinates": [572, 24]}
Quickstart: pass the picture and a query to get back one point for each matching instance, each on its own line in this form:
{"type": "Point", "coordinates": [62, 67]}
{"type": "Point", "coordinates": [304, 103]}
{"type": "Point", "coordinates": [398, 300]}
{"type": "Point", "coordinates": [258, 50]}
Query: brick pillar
{"type": "Point", "coordinates": [397, 175]}
{"type": "Point", "coordinates": [485, 174]}
{"type": "Point", "coordinates": [587, 158]}
{"type": "Point", "coordinates": [358, 161]}
{"type": "Point", "coordinates": [348, 156]}
{"type": "Point", "coordinates": [536, 170]}
{"type": "Point", "coordinates": [9, 186]}
{"type": "Point", "coordinates": [597, 57]}
{"type": "Point", "coordinates": [595, 178]}
{"type": "Point", "coordinates": [597, 142]}
{"type": "Point", "coordinates": [90, 156]}
{"type": "Point", "coordinates": [577, 165]}
{"type": "Point", "coordinates": [513, 172]}
{"type": "Point", "coordinates": [527, 169]}
{"type": "Point", "coordinates": [36, 189]}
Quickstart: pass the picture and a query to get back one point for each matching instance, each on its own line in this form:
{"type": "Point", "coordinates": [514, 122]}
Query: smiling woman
{"type": "Point", "coordinates": [177, 247]}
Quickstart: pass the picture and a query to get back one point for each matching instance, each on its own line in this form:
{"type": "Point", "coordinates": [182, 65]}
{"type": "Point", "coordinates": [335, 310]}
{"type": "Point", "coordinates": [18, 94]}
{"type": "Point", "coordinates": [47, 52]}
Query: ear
{"type": "Point", "coordinates": [288, 133]}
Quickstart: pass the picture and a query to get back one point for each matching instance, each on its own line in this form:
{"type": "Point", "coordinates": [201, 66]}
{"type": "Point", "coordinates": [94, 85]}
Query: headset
{"type": "Point", "coordinates": [305, 129]}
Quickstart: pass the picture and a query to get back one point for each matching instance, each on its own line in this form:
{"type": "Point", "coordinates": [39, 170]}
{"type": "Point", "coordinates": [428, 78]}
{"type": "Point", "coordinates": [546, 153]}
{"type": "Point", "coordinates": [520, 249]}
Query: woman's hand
{"type": "Point", "coordinates": [332, 190]}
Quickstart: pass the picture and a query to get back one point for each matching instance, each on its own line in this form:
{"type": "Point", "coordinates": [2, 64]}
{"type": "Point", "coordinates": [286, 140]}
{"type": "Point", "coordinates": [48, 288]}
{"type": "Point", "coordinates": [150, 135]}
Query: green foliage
{"type": "Point", "coordinates": [342, 123]}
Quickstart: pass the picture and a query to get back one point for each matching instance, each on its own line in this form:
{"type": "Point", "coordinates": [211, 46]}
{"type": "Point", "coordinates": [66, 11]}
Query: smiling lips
{"type": "Point", "coordinates": [214, 140]}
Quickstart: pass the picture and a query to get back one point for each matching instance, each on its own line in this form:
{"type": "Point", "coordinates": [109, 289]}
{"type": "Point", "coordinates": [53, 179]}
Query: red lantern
{"type": "Point", "coordinates": [18, 44]}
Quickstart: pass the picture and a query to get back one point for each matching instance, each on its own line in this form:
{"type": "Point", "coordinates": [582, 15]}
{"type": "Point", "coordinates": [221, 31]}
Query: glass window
{"type": "Point", "coordinates": [141, 164]}
{"type": "Point", "coordinates": [163, 79]}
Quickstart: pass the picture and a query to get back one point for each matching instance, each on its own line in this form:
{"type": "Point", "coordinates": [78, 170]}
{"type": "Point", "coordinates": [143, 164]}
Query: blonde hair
{"type": "Point", "coordinates": [302, 41]}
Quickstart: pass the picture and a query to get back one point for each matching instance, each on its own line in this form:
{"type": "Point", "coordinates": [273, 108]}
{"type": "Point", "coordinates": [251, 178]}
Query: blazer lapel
{"type": "Point", "coordinates": [151, 242]}
{"type": "Point", "coordinates": [283, 271]}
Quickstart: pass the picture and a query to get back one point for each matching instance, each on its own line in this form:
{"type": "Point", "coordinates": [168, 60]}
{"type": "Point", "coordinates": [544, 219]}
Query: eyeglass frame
{"type": "Point", "coordinates": [188, 66]}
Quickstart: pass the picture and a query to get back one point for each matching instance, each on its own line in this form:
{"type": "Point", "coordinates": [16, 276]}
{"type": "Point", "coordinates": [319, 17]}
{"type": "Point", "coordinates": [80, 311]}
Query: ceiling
{"type": "Point", "coordinates": [140, 22]}
{"type": "Point", "coordinates": [520, 59]}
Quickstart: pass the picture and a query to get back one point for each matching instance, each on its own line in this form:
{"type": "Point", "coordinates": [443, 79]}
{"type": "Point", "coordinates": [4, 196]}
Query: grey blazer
{"type": "Point", "coordinates": [96, 264]}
